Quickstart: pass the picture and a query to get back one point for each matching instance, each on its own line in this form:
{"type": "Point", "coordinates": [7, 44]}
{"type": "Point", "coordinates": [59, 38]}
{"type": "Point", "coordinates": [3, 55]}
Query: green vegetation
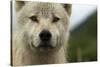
{"type": "Point", "coordinates": [83, 41]}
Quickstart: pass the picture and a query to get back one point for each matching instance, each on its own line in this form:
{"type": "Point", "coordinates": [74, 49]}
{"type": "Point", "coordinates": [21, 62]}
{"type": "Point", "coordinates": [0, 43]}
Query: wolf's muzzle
{"type": "Point", "coordinates": [45, 36]}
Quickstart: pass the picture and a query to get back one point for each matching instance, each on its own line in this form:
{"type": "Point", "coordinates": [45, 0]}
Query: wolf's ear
{"type": "Point", "coordinates": [19, 5]}
{"type": "Point", "coordinates": [68, 8]}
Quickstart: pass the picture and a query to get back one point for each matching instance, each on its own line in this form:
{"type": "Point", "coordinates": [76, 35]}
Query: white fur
{"type": "Point", "coordinates": [27, 32]}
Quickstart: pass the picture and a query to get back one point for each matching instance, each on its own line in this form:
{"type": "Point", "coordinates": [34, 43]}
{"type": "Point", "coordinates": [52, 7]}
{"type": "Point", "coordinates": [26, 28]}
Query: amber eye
{"type": "Point", "coordinates": [34, 18]}
{"type": "Point", "coordinates": [55, 19]}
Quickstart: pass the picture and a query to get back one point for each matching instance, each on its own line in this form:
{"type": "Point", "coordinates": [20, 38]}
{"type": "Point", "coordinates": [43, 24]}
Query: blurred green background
{"type": "Point", "coordinates": [83, 41]}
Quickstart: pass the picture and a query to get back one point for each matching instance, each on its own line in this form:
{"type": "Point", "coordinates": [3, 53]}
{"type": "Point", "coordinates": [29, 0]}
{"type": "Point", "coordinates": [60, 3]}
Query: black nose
{"type": "Point", "coordinates": [45, 35]}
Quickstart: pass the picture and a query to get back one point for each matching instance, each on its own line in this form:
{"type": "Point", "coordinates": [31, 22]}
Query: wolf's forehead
{"type": "Point", "coordinates": [44, 6]}
{"type": "Point", "coordinates": [45, 9]}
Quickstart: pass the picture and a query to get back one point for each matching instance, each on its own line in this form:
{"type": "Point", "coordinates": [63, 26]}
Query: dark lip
{"type": "Point", "coordinates": [45, 45]}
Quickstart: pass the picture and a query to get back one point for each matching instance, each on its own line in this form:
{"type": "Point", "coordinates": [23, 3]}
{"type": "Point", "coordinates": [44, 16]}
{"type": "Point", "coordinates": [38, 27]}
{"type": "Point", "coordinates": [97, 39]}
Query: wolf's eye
{"type": "Point", "coordinates": [34, 18]}
{"type": "Point", "coordinates": [55, 19]}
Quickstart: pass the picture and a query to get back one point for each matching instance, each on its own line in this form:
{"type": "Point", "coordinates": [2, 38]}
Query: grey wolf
{"type": "Point", "coordinates": [41, 33]}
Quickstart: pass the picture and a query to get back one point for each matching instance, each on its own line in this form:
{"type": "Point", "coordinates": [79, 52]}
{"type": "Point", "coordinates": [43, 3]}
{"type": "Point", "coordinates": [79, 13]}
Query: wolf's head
{"type": "Point", "coordinates": [43, 26]}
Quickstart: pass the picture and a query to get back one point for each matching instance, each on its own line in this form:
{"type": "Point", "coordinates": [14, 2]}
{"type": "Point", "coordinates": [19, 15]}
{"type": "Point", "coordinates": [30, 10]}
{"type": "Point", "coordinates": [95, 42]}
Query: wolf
{"type": "Point", "coordinates": [41, 33]}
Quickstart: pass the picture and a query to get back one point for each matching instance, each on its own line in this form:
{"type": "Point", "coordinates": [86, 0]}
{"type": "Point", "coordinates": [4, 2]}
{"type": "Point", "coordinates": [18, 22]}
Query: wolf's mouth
{"type": "Point", "coordinates": [45, 45]}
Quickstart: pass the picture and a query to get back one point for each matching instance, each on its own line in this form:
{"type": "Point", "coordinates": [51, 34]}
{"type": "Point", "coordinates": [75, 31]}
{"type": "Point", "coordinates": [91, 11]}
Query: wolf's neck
{"type": "Point", "coordinates": [45, 58]}
{"type": "Point", "coordinates": [52, 57]}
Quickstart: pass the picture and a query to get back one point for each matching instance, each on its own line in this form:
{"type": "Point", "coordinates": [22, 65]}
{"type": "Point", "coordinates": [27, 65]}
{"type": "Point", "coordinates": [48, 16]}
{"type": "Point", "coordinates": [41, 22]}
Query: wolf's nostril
{"type": "Point", "coordinates": [45, 35]}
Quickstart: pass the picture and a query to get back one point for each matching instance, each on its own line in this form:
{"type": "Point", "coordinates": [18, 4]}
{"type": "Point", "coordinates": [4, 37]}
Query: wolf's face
{"type": "Point", "coordinates": [44, 25]}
